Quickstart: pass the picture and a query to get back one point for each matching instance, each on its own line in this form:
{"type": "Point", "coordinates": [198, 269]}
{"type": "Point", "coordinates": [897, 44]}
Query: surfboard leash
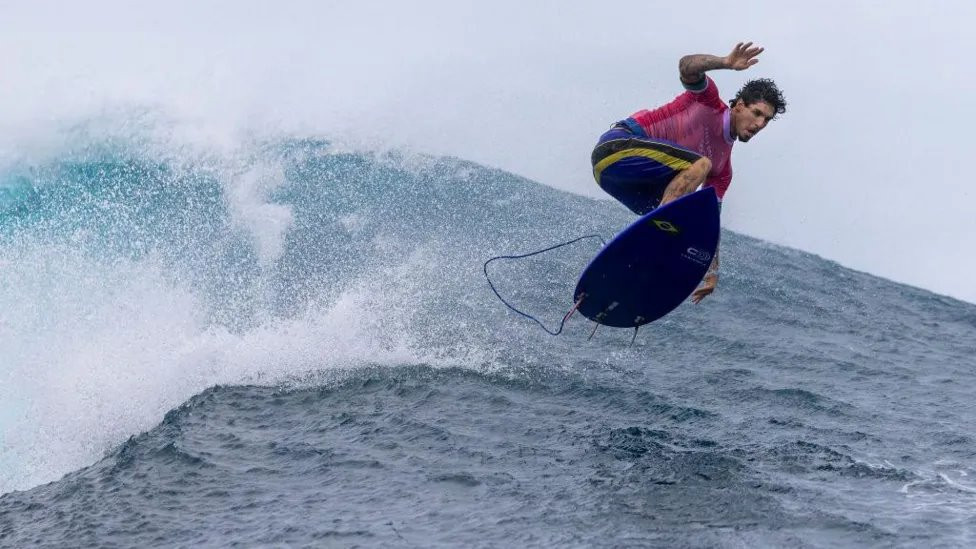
{"type": "Point", "coordinates": [530, 254]}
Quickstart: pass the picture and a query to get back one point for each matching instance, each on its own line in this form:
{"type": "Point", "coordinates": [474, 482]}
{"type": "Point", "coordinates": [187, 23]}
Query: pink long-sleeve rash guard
{"type": "Point", "coordinates": [699, 121]}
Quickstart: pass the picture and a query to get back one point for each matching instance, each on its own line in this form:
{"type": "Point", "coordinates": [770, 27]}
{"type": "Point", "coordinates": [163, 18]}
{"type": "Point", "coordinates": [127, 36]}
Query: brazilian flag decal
{"type": "Point", "coordinates": [666, 226]}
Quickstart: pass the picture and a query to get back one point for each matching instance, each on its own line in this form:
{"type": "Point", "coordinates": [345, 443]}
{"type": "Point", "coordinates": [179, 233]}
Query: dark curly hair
{"type": "Point", "coordinates": [761, 89]}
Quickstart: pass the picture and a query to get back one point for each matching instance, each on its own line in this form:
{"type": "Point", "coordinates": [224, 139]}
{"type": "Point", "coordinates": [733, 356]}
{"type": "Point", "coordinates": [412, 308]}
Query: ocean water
{"type": "Point", "coordinates": [291, 343]}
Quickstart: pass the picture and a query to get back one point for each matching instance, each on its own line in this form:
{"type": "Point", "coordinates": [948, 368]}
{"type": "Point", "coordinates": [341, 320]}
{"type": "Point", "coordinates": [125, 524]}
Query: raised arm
{"type": "Point", "coordinates": [693, 67]}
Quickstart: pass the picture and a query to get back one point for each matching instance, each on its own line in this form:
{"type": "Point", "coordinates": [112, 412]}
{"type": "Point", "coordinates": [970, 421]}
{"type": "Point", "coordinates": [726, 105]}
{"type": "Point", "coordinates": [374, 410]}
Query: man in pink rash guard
{"type": "Point", "coordinates": [656, 156]}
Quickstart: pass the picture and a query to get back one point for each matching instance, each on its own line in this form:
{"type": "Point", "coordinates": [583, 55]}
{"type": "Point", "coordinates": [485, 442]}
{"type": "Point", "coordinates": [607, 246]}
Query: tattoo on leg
{"type": "Point", "coordinates": [684, 183]}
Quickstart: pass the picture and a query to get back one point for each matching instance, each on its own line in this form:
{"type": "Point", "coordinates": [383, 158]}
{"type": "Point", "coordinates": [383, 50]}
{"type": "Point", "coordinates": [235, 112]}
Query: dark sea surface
{"type": "Point", "coordinates": [294, 345]}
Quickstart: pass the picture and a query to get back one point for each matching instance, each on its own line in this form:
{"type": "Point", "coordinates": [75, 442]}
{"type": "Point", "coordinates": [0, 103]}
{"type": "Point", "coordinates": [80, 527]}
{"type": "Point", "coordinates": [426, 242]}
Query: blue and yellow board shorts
{"type": "Point", "coordinates": [636, 169]}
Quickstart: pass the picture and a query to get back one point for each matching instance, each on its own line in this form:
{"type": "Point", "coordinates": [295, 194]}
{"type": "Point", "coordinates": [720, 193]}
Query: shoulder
{"type": "Point", "coordinates": [705, 92]}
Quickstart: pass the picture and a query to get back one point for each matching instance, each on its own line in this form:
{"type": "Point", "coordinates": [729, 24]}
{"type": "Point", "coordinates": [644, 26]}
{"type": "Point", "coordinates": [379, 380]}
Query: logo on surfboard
{"type": "Point", "coordinates": [666, 226]}
{"type": "Point", "coordinates": [700, 257]}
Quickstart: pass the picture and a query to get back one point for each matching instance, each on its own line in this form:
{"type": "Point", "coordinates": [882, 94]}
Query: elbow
{"type": "Point", "coordinates": [688, 71]}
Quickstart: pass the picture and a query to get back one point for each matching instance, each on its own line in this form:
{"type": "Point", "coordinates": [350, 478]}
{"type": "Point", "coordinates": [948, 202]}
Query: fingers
{"type": "Point", "coordinates": [742, 47]}
{"type": "Point", "coordinates": [746, 49]}
{"type": "Point", "coordinates": [698, 295]}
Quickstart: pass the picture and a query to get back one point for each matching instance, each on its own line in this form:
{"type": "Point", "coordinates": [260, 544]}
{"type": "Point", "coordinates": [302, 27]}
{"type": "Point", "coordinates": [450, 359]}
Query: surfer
{"type": "Point", "coordinates": [658, 155]}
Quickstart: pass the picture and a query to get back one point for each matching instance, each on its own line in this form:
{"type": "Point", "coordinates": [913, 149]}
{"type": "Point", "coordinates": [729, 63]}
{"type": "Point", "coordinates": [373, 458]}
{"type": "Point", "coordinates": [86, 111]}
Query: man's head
{"type": "Point", "coordinates": [756, 104]}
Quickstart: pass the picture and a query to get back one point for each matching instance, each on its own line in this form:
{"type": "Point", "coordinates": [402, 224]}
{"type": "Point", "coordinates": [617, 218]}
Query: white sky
{"type": "Point", "coordinates": [869, 167]}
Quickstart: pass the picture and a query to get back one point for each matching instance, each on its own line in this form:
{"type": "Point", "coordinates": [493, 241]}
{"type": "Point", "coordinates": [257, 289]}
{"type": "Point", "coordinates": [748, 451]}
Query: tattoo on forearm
{"type": "Point", "coordinates": [693, 67]}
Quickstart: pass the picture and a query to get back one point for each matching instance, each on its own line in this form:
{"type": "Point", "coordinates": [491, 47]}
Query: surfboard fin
{"type": "Point", "coordinates": [575, 307]}
{"type": "Point", "coordinates": [633, 339]}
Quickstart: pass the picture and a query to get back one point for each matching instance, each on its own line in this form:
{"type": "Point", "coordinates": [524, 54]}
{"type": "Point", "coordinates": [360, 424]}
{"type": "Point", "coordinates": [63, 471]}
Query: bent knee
{"type": "Point", "coordinates": [702, 165]}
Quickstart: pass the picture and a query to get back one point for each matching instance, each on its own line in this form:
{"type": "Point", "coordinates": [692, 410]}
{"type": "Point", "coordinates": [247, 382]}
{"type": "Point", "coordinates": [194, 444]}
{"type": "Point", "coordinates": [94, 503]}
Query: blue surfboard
{"type": "Point", "coordinates": [653, 265]}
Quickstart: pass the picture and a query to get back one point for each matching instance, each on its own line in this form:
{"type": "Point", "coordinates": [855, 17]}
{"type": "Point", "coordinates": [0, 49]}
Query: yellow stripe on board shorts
{"type": "Point", "coordinates": [668, 160]}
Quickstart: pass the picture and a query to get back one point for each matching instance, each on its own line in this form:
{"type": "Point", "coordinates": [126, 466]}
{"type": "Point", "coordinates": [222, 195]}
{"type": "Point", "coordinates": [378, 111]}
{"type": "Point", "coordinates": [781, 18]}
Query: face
{"type": "Point", "coordinates": [748, 120]}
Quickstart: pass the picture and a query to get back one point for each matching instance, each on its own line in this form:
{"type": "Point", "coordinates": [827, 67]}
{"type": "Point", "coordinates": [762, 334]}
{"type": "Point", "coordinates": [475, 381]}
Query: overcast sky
{"type": "Point", "coordinates": [869, 167]}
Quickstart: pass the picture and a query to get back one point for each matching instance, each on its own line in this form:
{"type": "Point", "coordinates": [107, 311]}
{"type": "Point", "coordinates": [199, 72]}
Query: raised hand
{"type": "Point", "coordinates": [743, 56]}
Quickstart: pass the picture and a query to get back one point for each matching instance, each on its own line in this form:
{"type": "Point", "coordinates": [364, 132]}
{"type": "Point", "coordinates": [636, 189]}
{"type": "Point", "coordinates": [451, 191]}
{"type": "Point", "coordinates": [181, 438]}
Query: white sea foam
{"type": "Point", "coordinates": [98, 349]}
